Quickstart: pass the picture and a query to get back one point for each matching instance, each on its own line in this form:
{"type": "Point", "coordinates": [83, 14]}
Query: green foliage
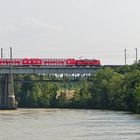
{"type": "Point", "coordinates": [62, 101]}
{"type": "Point", "coordinates": [99, 88]}
{"type": "Point", "coordinates": [137, 99]}
{"type": "Point", "coordinates": [37, 94]}
{"type": "Point", "coordinates": [82, 96]}
{"type": "Point", "coordinates": [117, 89]}
{"type": "Point", "coordinates": [131, 82]}
{"type": "Point", "coordinates": [116, 92]}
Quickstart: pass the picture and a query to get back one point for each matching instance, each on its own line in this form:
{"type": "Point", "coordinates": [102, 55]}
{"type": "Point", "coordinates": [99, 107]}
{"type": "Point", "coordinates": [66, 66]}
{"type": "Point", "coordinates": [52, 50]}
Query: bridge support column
{"type": "Point", "coordinates": [7, 93]}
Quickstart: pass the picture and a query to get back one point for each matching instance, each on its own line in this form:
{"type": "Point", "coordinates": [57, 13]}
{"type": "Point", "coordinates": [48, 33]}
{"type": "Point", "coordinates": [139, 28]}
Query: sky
{"type": "Point", "coordinates": [99, 29]}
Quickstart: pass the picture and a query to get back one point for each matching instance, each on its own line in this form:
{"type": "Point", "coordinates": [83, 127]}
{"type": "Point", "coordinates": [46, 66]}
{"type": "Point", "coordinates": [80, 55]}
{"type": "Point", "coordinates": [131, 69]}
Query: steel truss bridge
{"type": "Point", "coordinates": [9, 75]}
{"type": "Point", "coordinates": [52, 73]}
{"type": "Point", "coordinates": [48, 70]}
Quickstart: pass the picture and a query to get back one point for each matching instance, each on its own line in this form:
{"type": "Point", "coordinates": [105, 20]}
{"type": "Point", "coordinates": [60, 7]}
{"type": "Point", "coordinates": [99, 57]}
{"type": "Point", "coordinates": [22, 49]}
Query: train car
{"type": "Point", "coordinates": [7, 61]}
{"type": "Point", "coordinates": [88, 62]}
{"type": "Point", "coordinates": [70, 62]}
{"type": "Point", "coordinates": [32, 62]}
{"type": "Point", "coordinates": [59, 62]}
{"type": "Point", "coordinates": [21, 62]}
{"type": "Point", "coordinates": [53, 62]}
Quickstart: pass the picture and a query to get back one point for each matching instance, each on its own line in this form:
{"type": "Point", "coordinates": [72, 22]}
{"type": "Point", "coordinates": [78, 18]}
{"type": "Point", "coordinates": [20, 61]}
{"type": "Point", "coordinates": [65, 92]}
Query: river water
{"type": "Point", "coordinates": [68, 124]}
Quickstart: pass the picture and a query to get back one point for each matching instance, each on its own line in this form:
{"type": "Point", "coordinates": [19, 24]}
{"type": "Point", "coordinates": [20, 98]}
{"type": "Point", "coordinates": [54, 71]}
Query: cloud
{"type": "Point", "coordinates": [28, 25]}
{"type": "Point", "coordinates": [39, 24]}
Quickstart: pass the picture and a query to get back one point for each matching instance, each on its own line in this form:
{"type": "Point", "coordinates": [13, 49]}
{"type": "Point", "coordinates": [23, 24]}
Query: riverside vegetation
{"type": "Point", "coordinates": [115, 89]}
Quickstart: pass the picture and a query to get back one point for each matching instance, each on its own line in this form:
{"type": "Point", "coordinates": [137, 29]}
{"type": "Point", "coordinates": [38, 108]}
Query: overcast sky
{"type": "Point", "coordinates": [99, 29]}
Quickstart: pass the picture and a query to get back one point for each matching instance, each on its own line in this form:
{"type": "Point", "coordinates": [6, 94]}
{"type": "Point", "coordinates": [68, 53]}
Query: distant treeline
{"type": "Point", "coordinates": [115, 89]}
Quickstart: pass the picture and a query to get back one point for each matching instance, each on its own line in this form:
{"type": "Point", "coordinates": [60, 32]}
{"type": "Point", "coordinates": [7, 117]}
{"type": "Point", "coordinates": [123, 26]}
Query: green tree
{"type": "Point", "coordinates": [137, 99]}
{"type": "Point", "coordinates": [131, 81]}
{"type": "Point", "coordinates": [82, 96]}
{"type": "Point", "coordinates": [99, 88]}
{"type": "Point", "coordinates": [116, 91]}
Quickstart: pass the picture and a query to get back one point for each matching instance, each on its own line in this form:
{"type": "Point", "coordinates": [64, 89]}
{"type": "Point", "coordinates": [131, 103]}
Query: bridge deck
{"type": "Point", "coordinates": [48, 70]}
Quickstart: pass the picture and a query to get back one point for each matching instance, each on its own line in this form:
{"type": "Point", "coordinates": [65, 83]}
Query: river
{"type": "Point", "coordinates": [68, 124]}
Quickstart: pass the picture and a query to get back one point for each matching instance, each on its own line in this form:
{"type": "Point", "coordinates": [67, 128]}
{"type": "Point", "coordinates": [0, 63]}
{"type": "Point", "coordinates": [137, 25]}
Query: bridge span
{"type": "Point", "coordinates": [48, 70]}
{"type": "Point", "coordinates": [7, 73]}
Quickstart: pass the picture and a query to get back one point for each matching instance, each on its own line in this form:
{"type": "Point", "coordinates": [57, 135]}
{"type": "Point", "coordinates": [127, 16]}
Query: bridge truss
{"type": "Point", "coordinates": [10, 75]}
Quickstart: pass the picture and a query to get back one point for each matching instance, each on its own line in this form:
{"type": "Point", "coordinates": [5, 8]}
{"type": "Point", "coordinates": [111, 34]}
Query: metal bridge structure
{"type": "Point", "coordinates": [8, 76]}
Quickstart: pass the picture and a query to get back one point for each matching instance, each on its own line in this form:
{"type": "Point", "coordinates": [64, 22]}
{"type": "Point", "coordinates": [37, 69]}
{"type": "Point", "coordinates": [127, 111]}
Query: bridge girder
{"type": "Point", "coordinates": [49, 70]}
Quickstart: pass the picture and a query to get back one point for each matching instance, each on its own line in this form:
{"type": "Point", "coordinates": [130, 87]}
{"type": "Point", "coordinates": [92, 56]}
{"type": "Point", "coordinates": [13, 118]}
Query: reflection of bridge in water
{"type": "Point", "coordinates": [52, 74]}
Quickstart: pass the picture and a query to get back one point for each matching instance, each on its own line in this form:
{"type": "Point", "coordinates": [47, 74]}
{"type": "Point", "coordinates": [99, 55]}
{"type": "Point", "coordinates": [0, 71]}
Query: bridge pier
{"type": "Point", "coordinates": [7, 93]}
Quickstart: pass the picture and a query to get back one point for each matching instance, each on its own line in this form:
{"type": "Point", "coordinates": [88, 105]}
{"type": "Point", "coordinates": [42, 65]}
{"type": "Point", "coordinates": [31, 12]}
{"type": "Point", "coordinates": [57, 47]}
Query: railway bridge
{"type": "Point", "coordinates": [8, 77]}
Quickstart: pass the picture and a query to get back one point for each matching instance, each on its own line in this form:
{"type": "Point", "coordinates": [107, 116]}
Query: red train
{"type": "Point", "coordinates": [50, 62]}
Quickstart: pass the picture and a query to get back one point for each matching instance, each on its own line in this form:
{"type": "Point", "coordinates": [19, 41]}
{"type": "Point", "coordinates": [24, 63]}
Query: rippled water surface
{"type": "Point", "coordinates": [68, 124]}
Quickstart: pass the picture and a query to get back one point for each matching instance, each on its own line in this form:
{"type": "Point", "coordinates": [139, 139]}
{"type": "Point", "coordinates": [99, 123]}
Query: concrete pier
{"type": "Point", "coordinates": [7, 93]}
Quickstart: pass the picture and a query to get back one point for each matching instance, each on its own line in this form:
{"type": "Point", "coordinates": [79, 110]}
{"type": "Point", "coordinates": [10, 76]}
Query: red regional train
{"type": "Point", "coordinates": [69, 62]}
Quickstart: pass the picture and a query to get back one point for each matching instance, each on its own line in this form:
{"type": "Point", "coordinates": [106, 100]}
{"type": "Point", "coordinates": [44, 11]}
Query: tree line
{"type": "Point", "coordinates": [115, 89]}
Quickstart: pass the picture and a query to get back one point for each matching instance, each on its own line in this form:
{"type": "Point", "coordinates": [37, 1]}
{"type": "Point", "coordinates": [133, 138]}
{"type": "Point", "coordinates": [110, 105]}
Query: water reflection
{"type": "Point", "coordinates": [68, 124]}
